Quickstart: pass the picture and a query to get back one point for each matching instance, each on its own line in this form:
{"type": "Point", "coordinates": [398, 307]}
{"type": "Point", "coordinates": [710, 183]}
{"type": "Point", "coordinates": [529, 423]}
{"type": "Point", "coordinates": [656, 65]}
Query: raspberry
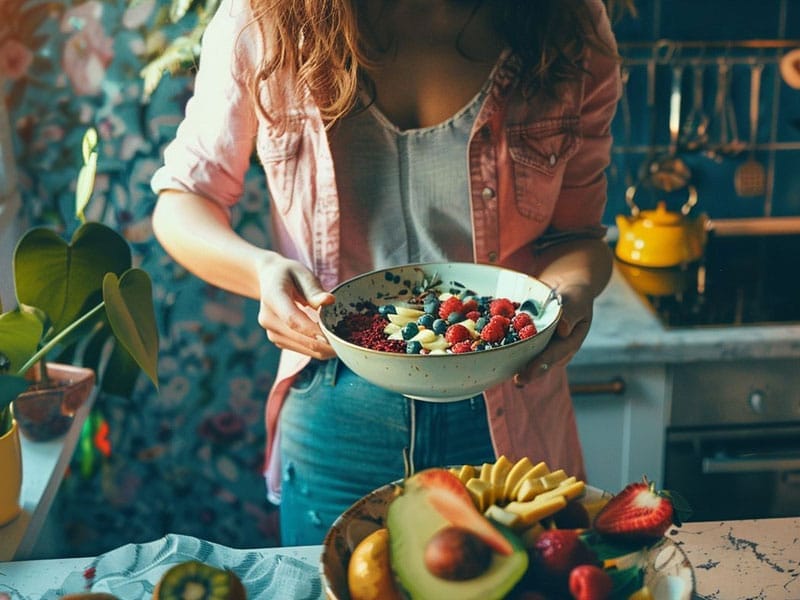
{"type": "Point", "coordinates": [457, 333]}
{"type": "Point", "coordinates": [474, 315]}
{"type": "Point", "coordinates": [452, 304]}
{"type": "Point", "coordinates": [502, 306]}
{"type": "Point", "coordinates": [520, 320]}
{"type": "Point", "coordinates": [527, 331]}
{"type": "Point", "coordinates": [461, 347]}
{"type": "Point", "coordinates": [469, 306]}
{"type": "Point", "coordinates": [502, 321]}
{"type": "Point", "coordinates": [493, 332]}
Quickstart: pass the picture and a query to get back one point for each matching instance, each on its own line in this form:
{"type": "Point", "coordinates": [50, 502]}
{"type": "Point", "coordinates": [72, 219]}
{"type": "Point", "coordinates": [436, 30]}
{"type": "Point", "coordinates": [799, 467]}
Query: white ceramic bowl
{"type": "Point", "coordinates": [443, 377]}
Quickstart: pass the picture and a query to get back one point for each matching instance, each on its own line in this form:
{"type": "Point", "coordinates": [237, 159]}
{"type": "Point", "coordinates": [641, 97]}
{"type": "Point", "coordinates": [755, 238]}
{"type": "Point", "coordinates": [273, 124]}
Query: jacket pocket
{"type": "Point", "coordinates": [279, 155]}
{"type": "Point", "coordinates": [539, 153]}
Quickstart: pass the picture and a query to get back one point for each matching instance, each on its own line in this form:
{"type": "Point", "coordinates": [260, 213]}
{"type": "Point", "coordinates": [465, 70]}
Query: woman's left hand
{"type": "Point", "coordinates": [572, 328]}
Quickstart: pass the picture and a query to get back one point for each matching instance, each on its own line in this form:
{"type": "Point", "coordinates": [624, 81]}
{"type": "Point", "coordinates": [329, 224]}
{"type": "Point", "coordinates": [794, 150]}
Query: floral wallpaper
{"type": "Point", "coordinates": [187, 458]}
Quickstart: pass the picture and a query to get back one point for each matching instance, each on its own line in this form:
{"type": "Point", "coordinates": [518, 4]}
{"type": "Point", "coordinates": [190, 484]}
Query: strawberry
{"type": "Point", "coordinates": [555, 553]}
{"type": "Point", "coordinates": [590, 582]}
{"type": "Point", "coordinates": [640, 512]}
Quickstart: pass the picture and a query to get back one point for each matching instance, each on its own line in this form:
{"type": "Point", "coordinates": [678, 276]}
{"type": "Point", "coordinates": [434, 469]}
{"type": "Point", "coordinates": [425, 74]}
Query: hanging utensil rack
{"type": "Point", "coordinates": [667, 51]}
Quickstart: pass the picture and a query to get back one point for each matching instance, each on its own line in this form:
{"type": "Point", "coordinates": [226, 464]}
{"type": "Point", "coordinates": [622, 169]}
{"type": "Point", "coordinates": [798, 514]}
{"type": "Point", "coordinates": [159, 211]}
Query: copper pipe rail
{"type": "Point", "coordinates": [616, 385]}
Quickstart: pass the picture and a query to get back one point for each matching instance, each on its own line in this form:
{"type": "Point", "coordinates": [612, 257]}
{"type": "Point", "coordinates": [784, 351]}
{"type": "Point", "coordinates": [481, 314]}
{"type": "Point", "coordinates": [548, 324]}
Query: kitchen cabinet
{"type": "Point", "coordinates": [622, 416]}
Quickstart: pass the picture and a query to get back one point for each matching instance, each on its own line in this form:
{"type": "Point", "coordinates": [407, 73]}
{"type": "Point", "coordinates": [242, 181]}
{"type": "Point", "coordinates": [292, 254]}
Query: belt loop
{"type": "Point", "coordinates": [331, 370]}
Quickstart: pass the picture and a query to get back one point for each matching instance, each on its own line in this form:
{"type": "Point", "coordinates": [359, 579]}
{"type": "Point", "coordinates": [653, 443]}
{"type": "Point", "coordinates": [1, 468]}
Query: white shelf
{"type": "Point", "coordinates": [43, 468]}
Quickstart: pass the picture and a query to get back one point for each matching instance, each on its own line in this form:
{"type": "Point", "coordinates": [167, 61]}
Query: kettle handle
{"type": "Point", "coordinates": [691, 201]}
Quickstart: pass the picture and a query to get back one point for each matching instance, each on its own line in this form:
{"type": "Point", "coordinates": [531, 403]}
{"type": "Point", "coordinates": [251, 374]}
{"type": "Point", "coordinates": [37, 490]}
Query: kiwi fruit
{"type": "Point", "coordinates": [195, 580]}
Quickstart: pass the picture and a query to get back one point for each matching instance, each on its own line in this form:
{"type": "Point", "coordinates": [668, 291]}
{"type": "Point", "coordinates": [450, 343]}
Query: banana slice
{"type": "Point", "coordinates": [411, 313]}
{"type": "Point", "coordinates": [499, 473]}
{"type": "Point", "coordinates": [522, 466]}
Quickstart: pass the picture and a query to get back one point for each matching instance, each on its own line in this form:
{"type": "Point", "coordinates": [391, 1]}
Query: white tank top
{"type": "Point", "coordinates": [404, 194]}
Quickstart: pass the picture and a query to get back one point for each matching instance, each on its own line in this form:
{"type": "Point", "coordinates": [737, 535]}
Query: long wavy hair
{"type": "Point", "coordinates": [326, 44]}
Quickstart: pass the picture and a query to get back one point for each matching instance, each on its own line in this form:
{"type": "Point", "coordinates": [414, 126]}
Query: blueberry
{"type": "Point", "coordinates": [426, 320]}
{"type": "Point", "coordinates": [409, 330]}
{"type": "Point", "coordinates": [480, 324]}
{"type": "Point", "coordinates": [455, 317]}
{"type": "Point", "coordinates": [413, 348]}
{"type": "Point", "coordinates": [439, 326]}
{"type": "Point", "coordinates": [387, 309]}
{"type": "Point", "coordinates": [431, 306]}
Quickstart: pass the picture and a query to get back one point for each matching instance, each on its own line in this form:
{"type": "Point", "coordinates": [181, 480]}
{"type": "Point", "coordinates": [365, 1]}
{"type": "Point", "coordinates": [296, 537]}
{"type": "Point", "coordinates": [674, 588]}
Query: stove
{"type": "Point", "coordinates": [744, 278]}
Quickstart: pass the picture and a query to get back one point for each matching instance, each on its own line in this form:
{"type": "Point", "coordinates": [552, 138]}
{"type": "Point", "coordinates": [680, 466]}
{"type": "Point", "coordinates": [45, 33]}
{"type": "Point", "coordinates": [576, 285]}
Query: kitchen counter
{"type": "Point", "coordinates": [626, 331]}
{"type": "Point", "coordinates": [734, 560]}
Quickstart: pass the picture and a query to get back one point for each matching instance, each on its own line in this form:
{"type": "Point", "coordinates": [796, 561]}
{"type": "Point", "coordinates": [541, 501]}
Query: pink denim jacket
{"type": "Point", "coordinates": [537, 177]}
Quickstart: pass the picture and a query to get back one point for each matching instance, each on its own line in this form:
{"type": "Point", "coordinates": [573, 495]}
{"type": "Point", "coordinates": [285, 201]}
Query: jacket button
{"type": "Point", "coordinates": [492, 256]}
{"type": "Point", "coordinates": [553, 160]}
{"type": "Point", "coordinates": [487, 193]}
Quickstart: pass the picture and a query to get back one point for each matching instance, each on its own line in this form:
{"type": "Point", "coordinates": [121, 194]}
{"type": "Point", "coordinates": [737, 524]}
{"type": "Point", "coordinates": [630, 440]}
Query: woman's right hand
{"type": "Point", "coordinates": [290, 297]}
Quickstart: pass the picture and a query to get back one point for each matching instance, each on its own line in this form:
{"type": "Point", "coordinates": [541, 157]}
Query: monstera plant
{"type": "Point", "coordinates": [79, 301]}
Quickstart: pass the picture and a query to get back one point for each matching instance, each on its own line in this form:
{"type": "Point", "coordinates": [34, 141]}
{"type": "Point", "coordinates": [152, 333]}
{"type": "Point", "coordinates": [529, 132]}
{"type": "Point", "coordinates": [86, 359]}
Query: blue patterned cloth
{"type": "Point", "coordinates": [131, 572]}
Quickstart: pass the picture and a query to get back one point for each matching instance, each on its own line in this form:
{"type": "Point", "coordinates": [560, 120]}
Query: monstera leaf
{"type": "Point", "coordinates": [132, 318]}
{"type": "Point", "coordinates": [59, 277]}
{"type": "Point", "coordinates": [20, 333]}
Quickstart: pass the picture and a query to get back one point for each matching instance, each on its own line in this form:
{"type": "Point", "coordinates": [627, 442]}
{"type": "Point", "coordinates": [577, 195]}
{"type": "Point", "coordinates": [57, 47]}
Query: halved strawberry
{"type": "Point", "coordinates": [640, 512]}
{"type": "Point", "coordinates": [448, 495]}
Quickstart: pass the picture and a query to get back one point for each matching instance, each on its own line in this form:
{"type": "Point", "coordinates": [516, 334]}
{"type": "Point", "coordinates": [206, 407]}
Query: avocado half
{"type": "Point", "coordinates": [412, 522]}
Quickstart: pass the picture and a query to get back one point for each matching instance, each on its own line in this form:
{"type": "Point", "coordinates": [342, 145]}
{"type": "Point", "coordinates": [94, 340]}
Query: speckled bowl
{"type": "Point", "coordinates": [448, 377]}
{"type": "Point", "coordinates": [667, 571]}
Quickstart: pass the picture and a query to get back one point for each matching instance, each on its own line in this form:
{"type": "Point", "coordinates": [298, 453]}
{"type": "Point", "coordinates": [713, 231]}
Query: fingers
{"type": "Point", "coordinates": [292, 335]}
{"type": "Point", "coordinates": [562, 347]}
{"type": "Point", "coordinates": [290, 297]}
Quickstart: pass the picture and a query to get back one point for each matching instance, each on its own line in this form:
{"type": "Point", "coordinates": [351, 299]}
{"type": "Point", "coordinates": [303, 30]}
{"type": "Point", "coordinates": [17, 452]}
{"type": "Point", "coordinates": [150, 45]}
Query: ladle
{"type": "Point", "coordinates": [695, 129]}
{"type": "Point", "coordinates": [670, 172]}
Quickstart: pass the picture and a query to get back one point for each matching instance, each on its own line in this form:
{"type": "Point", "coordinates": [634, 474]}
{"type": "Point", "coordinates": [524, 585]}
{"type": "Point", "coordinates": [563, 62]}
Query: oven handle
{"type": "Point", "coordinates": [750, 465]}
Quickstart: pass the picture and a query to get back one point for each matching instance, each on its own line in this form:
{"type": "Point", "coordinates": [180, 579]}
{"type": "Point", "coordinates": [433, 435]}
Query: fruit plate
{"type": "Point", "coordinates": [666, 569]}
{"type": "Point", "coordinates": [441, 377]}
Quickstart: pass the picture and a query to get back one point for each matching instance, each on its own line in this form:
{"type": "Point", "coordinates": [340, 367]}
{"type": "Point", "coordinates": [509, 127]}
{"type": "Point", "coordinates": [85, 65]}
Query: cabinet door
{"type": "Point", "coordinates": [621, 422]}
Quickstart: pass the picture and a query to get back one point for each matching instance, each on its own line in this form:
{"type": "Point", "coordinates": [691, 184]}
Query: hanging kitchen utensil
{"type": "Point", "coordinates": [735, 144]}
{"type": "Point", "coordinates": [750, 178]}
{"type": "Point", "coordinates": [627, 128]}
{"type": "Point", "coordinates": [660, 238]}
{"type": "Point", "coordinates": [695, 128]}
{"type": "Point", "coordinates": [670, 172]}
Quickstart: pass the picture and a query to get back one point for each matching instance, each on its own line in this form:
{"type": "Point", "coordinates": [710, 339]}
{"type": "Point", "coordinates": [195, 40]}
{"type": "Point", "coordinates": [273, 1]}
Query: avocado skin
{"type": "Point", "coordinates": [412, 522]}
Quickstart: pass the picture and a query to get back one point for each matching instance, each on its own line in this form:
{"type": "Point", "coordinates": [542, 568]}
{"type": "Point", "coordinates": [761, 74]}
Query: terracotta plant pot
{"type": "Point", "coordinates": [45, 410]}
{"type": "Point", "coordinates": [11, 468]}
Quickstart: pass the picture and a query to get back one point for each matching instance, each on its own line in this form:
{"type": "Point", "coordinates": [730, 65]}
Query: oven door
{"type": "Point", "coordinates": [735, 472]}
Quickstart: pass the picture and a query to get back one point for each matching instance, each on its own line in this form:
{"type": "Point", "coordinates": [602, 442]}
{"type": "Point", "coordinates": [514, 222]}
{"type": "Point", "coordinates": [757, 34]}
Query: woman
{"type": "Point", "coordinates": [396, 131]}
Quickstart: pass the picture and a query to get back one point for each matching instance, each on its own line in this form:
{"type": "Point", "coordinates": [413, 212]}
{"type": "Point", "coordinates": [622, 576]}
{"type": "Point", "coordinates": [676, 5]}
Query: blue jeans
{"type": "Point", "coordinates": [341, 437]}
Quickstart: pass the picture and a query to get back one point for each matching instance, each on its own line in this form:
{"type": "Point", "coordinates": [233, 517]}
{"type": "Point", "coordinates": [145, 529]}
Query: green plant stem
{"type": "Point", "coordinates": [42, 352]}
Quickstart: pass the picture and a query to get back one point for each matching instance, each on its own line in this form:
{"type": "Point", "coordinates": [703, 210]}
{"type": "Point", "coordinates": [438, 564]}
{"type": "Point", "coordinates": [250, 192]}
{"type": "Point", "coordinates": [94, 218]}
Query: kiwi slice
{"type": "Point", "coordinates": [194, 580]}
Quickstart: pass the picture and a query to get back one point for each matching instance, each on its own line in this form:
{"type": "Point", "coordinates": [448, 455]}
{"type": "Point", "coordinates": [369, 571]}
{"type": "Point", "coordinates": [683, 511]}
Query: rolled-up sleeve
{"type": "Point", "coordinates": [584, 191]}
{"type": "Point", "coordinates": [213, 145]}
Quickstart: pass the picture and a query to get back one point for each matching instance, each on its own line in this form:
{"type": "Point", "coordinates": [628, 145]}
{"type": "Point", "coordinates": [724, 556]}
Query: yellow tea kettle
{"type": "Point", "coordinates": [660, 238]}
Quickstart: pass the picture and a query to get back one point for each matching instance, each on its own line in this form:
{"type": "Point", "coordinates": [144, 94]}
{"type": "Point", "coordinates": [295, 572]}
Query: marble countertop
{"type": "Point", "coordinates": [626, 331]}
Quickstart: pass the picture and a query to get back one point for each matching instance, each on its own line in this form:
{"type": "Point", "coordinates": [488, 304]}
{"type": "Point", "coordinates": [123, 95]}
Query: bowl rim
{"type": "Point", "coordinates": [329, 332]}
